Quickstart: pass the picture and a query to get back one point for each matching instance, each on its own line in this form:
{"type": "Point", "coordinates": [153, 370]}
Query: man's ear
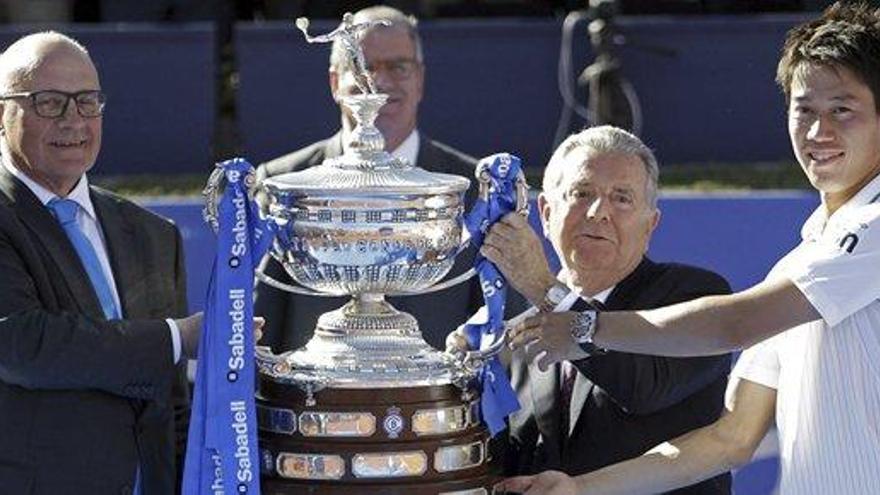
{"type": "Point", "coordinates": [656, 220]}
{"type": "Point", "coordinates": [652, 225]}
{"type": "Point", "coordinates": [544, 208]}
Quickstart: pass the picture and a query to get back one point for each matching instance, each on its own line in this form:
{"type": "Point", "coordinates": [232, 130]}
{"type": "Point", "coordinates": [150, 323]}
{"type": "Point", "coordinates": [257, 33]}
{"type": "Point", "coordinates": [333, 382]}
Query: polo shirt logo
{"type": "Point", "coordinates": [848, 242]}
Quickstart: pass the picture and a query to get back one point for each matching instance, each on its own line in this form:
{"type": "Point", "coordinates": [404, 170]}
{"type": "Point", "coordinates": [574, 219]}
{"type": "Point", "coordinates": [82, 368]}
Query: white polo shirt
{"type": "Point", "coordinates": [827, 373]}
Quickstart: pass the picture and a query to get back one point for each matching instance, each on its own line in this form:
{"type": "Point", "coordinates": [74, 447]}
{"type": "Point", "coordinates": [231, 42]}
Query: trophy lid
{"type": "Point", "coordinates": [339, 177]}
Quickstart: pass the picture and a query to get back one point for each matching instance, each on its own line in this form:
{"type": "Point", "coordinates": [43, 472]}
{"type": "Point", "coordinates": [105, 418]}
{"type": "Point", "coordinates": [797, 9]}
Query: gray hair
{"type": "Point", "coordinates": [398, 20]}
{"type": "Point", "coordinates": [603, 140]}
{"type": "Point", "coordinates": [20, 59]}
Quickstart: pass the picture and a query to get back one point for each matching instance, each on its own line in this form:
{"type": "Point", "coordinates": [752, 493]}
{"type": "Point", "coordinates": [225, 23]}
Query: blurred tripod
{"type": "Point", "coordinates": [611, 98]}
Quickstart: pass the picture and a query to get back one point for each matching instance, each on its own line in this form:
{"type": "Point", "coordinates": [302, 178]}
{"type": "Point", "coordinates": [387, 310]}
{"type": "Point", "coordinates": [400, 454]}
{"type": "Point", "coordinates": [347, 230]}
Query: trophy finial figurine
{"type": "Point", "coordinates": [349, 34]}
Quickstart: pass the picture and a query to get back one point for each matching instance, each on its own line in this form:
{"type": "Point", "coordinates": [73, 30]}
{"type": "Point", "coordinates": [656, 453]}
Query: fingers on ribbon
{"type": "Point", "coordinates": [513, 219]}
{"type": "Point", "coordinates": [504, 231]}
{"type": "Point", "coordinates": [492, 252]}
{"type": "Point", "coordinates": [456, 342]}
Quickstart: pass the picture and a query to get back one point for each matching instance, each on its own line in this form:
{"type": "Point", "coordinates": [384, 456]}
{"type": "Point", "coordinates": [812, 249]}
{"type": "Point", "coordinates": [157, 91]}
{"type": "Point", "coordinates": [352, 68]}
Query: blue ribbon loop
{"type": "Point", "coordinates": [498, 399]}
{"type": "Point", "coordinates": [222, 453]}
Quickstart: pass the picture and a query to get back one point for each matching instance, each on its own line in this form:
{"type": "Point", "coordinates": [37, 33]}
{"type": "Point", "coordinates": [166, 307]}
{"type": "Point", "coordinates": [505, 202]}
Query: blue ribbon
{"type": "Point", "coordinates": [222, 455]}
{"type": "Point", "coordinates": [498, 399]}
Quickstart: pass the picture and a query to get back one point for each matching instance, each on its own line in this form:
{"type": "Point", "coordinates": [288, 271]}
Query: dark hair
{"type": "Point", "coordinates": [846, 35]}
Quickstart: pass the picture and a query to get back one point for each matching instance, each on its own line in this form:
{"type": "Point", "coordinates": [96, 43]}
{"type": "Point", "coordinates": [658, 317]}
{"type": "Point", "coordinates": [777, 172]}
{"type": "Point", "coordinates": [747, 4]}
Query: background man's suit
{"type": "Point", "coordinates": [81, 396]}
{"type": "Point", "coordinates": [291, 318]}
{"type": "Point", "coordinates": [622, 404]}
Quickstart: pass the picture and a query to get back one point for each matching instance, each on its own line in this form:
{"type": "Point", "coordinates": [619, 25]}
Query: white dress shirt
{"type": "Point", "coordinates": [409, 148]}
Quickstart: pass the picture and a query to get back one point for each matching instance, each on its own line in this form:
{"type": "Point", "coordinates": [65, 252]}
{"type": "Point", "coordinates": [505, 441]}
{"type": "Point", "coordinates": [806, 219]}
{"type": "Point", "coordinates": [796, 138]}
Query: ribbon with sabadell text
{"type": "Point", "coordinates": [497, 399]}
{"type": "Point", "coordinates": [222, 456]}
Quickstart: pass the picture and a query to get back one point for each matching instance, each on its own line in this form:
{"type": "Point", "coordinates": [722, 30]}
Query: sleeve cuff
{"type": "Point", "coordinates": [175, 339]}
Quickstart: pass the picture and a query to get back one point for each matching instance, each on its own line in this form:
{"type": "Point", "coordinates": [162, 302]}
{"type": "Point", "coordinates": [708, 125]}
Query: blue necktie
{"type": "Point", "coordinates": [65, 211]}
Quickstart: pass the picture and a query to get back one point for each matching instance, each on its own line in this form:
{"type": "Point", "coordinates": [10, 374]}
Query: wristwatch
{"type": "Point", "coordinates": [554, 295]}
{"type": "Point", "coordinates": [583, 327]}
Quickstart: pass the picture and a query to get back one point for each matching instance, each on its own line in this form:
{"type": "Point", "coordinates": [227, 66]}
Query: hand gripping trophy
{"type": "Point", "coordinates": [367, 406]}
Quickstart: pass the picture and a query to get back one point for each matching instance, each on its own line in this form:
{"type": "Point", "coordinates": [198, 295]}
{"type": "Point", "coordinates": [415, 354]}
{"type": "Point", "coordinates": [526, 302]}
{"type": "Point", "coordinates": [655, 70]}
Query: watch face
{"type": "Point", "coordinates": [580, 327]}
{"type": "Point", "coordinates": [557, 293]}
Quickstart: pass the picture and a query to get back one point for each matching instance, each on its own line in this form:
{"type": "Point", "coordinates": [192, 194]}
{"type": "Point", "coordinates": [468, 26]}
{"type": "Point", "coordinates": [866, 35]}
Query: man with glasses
{"type": "Point", "coordinates": [91, 397]}
{"type": "Point", "coordinates": [393, 55]}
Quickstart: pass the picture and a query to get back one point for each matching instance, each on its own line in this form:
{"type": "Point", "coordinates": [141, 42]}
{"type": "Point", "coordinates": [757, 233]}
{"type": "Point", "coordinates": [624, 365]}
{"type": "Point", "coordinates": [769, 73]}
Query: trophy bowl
{"type": "Point", "coordinates": [344, 231]}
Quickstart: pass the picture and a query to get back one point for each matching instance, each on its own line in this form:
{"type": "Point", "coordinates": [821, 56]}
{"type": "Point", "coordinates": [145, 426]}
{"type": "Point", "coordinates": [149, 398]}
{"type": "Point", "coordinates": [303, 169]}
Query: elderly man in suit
{"type": "Point", "coordinates": [91, 398]}
{"type": "Point", "coordinates": [393, 55]}
{"type": "Point", "coordinates": [598, 209]}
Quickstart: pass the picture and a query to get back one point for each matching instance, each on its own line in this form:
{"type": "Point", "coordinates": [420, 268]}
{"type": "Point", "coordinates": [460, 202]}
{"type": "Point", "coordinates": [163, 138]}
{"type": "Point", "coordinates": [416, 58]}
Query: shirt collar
{"type": "Point", "coordinates": [409, 148]}
{"type": "Point", "coordinates": [601, 296]}
{"type": "Point", "coordinates": [815, 224]}
{"type": "Point", "coordinates": [79, 194]}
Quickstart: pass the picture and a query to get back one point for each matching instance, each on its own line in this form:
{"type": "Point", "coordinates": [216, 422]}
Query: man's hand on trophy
{"type": "Point", "coordinates": [546, 483]}
{"type": "Point", "coordinates": [456, 342]}
{"type": "Point", "coordinates": [518, 252]}
{"type": "Point", "coordinates": [190, 329]}
{"type": "Point", "coordinates": [546, 339]}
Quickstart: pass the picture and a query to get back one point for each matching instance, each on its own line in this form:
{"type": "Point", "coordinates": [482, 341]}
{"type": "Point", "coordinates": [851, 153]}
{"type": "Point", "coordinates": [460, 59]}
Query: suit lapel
{"type": "Point", "coordinates": [582, 389]}
{"type": "Point", "coordinates": [123, 253]}
{"type": "Point", "coordinates": [426, 158]}
{"type": "Point", "coordinates": [545, 394]}
{"type": "Point", "coordinates": [623, 295]}
{"type": "Point", "coordinates": [51, 236]}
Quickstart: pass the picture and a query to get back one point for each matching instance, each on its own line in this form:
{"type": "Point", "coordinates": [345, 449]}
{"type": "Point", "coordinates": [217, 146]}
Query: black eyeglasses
{"type": "Point", "coordinates": [52, 104]}
{"type": "Point", "coordinates": [399, 69]}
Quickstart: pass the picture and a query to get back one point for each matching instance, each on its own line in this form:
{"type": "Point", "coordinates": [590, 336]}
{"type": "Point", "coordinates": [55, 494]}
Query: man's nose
{"type": "Point", "coordinates": [381, 78]}
{"type": "Point", "coordinates": [71, 116]}
{"type": "Point", "coordinates": [599, 209]}
{"type": "Point", "coordinates": [822, 129]}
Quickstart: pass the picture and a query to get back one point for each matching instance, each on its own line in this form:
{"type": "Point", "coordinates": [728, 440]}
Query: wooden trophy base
{"type": "Point", "coordinates": [415, 441]}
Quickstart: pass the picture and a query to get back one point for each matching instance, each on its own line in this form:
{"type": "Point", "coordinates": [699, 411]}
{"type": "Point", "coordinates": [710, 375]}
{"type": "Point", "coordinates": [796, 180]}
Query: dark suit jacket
{"type": "Point", "coordinates": [83, 400]}
{"type": "Point", "coordinates": [623, 404]}
{"type": "Point", "coordinates": [291, 318]}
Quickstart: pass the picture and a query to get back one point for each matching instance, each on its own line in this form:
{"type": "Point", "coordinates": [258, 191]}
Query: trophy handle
{"type": "Point", "coordinates": [276, 366]}
{"type": "Point", "coordinates": [213, 190]}
{"type": "Point", "coordinates": [522, 189]}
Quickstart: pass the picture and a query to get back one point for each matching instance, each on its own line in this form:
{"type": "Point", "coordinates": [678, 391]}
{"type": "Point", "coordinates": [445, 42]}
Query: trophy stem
{"type": "Point", "coordinates": [367, 315]}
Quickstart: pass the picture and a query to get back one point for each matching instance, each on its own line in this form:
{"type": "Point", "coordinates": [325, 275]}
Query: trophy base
{"type": "Point", "coordinates": [417, 440]}
{"type": "Point", "coordinates": [366, 343]}
{"type": "Point", "coordinates": [481, 486]}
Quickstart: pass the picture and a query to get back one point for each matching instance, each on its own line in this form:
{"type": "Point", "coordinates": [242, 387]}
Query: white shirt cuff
{"type": "Point", "coordinates": [175, 339]}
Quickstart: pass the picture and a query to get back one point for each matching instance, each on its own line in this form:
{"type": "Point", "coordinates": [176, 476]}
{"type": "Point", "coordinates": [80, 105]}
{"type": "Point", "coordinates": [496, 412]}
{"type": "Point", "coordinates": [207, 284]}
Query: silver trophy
{"type": "Point", "coordinates": [367, 224]}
